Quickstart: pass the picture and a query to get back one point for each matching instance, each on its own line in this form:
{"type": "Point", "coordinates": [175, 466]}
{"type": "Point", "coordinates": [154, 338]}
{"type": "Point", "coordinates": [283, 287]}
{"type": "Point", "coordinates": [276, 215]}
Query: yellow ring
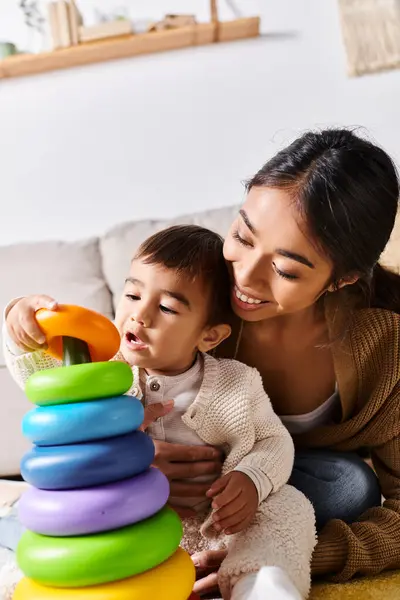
{"type": "Point", "coordinates": [87, 325]}
{"type": "Point", "coordinates": [172, 580]}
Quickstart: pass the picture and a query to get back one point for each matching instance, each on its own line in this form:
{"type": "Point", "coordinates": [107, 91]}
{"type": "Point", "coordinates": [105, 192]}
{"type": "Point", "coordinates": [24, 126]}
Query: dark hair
{"type": "Point", "coordinates": [347, 190]}
{"type": "Point", "coordinates": [194, 252]}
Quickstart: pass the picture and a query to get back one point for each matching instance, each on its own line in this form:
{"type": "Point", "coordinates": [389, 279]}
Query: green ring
{"type": "Point", "coordinates": [101, 558]}
{"type": "Point", "coordinates": [79, 383]}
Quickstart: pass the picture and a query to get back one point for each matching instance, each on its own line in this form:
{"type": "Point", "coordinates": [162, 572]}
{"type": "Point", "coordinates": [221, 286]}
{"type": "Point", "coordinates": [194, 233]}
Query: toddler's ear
{"type": "Point", "coordinates": [213, 336]}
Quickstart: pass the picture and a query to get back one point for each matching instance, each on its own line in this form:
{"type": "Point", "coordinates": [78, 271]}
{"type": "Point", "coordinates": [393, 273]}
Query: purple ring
{"type": "Point", "coordinates": [91, 510]}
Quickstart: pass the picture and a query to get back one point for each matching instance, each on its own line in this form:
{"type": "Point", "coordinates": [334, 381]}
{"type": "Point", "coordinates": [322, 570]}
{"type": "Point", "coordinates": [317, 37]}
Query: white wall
{"type": "Point", "coordinates": [84, 149]}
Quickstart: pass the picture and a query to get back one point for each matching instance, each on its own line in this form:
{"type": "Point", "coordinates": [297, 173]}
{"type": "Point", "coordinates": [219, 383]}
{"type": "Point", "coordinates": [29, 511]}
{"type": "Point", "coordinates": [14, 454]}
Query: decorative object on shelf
{"type": "Point", "coordinates": [371, 33]}
{"type": "Point", "coordinates": [67, 27]}
{"type": "Point", "coordinates": [7, 49]}
{"type": "Point", "coordinates": [105, 30]}
{"type": "Point", "coordinates": [64, 21]}
{"type": "Point", "coordinates": [173, 22]}
{"type": "Point", "coordinates": [35, 23]}
{"type": "Point", "coordinates": [76, 45]}
{"type": "Point", "coordinates": [32, 14]}
{"type": "Point", "coordinates": [117, 14]}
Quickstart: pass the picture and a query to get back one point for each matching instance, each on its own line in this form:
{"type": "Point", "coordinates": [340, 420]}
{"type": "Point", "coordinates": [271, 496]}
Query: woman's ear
{"type": "Point", "coordinates": [213, 336]}
{"type": "Point", "coordinates": [343, 282]}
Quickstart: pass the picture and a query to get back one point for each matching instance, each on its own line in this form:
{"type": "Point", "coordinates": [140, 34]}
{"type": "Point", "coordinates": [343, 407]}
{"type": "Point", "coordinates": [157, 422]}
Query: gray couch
{"type": "Point", "coordinates": [90, 273]}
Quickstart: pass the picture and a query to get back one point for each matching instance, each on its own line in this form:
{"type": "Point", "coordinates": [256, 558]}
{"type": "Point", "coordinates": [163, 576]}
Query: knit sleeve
{"type": "Point", "coordinates": [372, 544]}
{"type": "Point", "coordinates": [21, 364]}
{"type": "Point", "coordinates": [270, 463]}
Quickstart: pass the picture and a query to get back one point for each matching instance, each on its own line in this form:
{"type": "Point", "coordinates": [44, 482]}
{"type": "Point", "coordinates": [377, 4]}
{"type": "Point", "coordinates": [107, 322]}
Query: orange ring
{"type": "Point", "coordinates": [97, 331]}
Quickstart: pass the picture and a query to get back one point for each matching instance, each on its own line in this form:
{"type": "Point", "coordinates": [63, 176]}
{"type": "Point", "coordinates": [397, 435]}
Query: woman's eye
{"type": "Point", "coordinates": [284, 275]}
{"type": "Point", "coordinates": [167, 310]}
{"type": "Point", "coordinates": [132, 297]}
{"type": "Point", "coordinates": [236, 235]}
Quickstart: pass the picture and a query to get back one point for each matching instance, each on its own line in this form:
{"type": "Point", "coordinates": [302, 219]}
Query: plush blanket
{"type": "Point", "coordinates": [9, 574]}
{"type": "Point", "coordinates": [383, 587]}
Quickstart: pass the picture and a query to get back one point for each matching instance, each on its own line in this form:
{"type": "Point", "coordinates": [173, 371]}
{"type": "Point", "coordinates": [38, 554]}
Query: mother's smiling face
{"type": "Point", "coordinates": [276, 268]}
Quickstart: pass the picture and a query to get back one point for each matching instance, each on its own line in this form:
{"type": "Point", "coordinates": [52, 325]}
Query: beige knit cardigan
{"type": "Point", "coordinates": [366, 357]}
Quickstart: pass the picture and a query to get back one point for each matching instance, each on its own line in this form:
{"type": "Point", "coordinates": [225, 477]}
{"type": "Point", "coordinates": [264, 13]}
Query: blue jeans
{"type": "Point", "coordinates": [340, 485]}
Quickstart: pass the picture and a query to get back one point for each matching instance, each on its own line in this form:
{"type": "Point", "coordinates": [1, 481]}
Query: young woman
{"type": "Point", "coordinates": [319, 318]}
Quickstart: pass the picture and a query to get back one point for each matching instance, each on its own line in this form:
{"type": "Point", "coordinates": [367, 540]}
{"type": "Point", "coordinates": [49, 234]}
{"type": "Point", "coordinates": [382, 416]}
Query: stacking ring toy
{"type": "Point", "coordinates": [83, 421]}
{"type": "Point", "coordinates": [103, 557]}
{"type": "Point", "coordinates": [80, 512]}
{"type": "Point", "coordinates": [96, 519]}
{"type": "Point", "coordinates": [79, 383]}
{"type": "Point", "coordinates": [91, 327]}
{"type": "Point", "coordinates": [172, 580]}
{"type": "Point", "coordinates": [88, 464]}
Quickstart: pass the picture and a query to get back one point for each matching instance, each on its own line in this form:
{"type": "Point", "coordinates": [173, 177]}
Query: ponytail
{"type": "Point", "coordinates": [385, 289]}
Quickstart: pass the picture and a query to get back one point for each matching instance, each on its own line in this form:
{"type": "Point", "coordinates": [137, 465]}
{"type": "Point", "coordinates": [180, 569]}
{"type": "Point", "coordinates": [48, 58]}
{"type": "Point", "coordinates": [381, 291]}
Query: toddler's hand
{"type": "Point", "coordinates": [235, 502]}
{"type": "Point", "coordinates": [21, 322]}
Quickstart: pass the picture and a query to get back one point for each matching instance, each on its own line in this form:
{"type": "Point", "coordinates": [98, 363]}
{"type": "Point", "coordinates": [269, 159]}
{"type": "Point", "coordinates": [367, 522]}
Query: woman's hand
{"type": "Point", "coordinates": [179, 462]}
{"type": "Point", "coordinates": [207, 564]}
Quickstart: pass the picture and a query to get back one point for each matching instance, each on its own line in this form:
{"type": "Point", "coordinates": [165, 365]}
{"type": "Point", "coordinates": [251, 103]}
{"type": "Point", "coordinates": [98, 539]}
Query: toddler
{"type": "Point", "coordinates": [173, 313]}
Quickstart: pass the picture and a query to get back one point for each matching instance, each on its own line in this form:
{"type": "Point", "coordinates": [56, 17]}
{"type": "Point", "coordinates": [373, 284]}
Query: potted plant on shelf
{"type": "Point", "coordinates": [35, 22]}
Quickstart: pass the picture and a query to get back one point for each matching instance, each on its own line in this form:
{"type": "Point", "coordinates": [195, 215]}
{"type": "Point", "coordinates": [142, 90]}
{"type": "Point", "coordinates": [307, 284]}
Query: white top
{"type": "Point", "coordinates": [322, 415]}
{"type": "Point", "coordinates": [183, 389]}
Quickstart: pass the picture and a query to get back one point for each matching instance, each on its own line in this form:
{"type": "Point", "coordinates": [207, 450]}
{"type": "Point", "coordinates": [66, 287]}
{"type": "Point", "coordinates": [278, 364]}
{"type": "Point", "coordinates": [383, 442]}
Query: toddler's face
{"type": "Point", "coordinates": [161, 318]}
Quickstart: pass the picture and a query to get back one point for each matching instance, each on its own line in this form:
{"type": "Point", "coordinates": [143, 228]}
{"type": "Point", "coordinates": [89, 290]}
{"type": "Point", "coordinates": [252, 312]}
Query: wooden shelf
{"type": "Point", "coordinates": [128, 46]}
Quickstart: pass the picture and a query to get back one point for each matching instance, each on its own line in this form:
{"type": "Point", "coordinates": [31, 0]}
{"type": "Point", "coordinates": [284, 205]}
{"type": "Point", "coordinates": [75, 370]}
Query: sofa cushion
{"type": "Point", "coordinates": [119, 244]}
{"type": "Point", "coordinates": [71, 272]}
{"type": "Point", "coordinates": [13, 406]}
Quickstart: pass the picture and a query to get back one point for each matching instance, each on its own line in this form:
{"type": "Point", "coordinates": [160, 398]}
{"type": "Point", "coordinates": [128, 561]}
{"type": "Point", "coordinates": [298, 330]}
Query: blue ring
{"type": "Point", "coordinates": [82, 422]}
{"type": "Point", "coordinates": [88, 464]}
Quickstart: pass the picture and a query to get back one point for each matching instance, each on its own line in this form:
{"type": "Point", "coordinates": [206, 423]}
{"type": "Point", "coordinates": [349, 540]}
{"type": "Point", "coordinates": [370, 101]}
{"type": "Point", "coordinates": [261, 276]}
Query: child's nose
{"type": "Point", "coordinates": [141, 318]}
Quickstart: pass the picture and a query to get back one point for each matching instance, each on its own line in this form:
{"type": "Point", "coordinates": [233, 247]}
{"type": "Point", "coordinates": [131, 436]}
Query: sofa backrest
{"type": "Point", "coordinates": [119, 244]}
{"type": "Point", "coordinates": [71, 272]}
{"type": "Point", "coordinates": [92, 272]}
